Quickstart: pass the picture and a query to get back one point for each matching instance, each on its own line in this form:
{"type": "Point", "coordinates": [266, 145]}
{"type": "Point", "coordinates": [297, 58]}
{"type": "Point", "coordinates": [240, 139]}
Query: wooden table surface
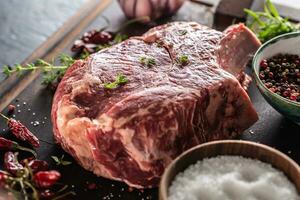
{"type": "Point", "coordinates": [34, 105]}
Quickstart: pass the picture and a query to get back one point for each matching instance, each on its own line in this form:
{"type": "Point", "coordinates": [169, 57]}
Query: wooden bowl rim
{"type": "Point", "coordinates": [163, 187]}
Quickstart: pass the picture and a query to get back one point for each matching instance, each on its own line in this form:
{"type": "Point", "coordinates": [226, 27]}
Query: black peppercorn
{"type": "Point", "coordinates": [281, 75]}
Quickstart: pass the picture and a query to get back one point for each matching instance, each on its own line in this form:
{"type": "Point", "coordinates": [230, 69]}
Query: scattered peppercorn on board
{"type": "Point", "coordinates": [33, 107]}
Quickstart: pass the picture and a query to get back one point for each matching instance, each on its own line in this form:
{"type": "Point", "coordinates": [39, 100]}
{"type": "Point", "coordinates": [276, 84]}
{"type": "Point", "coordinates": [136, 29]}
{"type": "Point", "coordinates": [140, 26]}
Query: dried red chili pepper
{"type": "Point", "coordinates": [91, 39]}
{"type": "Point", "coordinates": [21, 132]}
{"type": "Point", "coordinates": [11, 163]}
{"type": "Point", "coordinates": [92, 186]}
{"type": "Point", "coordinates": [45, 179]}
{"type": "Point", "coordinates": [6, 144]}
{"type": "Point", "coordinates": [3, 178]}
{"type": "Point", "coordinates": [38, 165]}
{"type": "Point", "coordinates": [98, 37]}
{"type": "Point", "coordinates": [94, 41]}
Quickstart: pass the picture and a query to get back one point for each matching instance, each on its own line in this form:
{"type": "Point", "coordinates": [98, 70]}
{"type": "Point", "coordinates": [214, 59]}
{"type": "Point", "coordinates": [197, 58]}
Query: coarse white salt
{"type": "Point", "coordinates": [232, 178]}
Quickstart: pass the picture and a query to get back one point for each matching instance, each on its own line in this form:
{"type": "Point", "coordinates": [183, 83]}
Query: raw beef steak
{"type": "Point", "coordinates": [188, 94]}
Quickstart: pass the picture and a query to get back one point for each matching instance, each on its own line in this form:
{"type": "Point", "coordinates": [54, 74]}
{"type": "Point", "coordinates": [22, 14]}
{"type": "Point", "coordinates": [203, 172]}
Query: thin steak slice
{"type": "Point", "coordinates": [131, 133]}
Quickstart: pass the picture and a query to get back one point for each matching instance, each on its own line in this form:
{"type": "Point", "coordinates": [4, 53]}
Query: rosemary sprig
{"type": "Point", "coordinates": [120, 80]}
{"type": "Point", "coordinates": [269, 24]}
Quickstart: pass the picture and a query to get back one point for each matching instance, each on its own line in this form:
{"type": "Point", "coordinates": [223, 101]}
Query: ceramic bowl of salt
{"type": "Point", "coordinates": [231, 169]}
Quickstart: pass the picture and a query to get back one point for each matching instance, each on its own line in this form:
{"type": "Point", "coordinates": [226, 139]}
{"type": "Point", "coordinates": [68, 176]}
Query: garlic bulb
{"type": "Point", "coordinates": [152, 8]}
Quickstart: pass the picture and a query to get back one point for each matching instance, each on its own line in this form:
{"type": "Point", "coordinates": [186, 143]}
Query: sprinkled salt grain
{"type": "Point", "coordinates": [36, 123]}
{"type": "Point", "coordinates": [231, 178]}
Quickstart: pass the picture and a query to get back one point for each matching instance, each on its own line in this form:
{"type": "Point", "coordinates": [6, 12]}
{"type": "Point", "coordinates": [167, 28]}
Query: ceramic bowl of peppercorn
{"type": "Point", "coordinates": [276, 67]}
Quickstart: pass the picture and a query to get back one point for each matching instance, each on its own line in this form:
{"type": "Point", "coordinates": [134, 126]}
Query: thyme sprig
{"type": "Point", "coordinates": [51, 71]}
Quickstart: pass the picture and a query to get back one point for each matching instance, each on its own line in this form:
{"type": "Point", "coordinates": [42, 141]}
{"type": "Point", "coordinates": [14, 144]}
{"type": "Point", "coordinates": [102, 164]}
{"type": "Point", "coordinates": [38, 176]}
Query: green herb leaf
{"type": "Point", "coordinates": [42, 63]}
{"type": "Point", "coordinates": [151, 62]}
{"type": "Point", "coordinates": [143, 60]}
{"type": "Point", "coordinates": [120, 80]}
{"type": "Point", "coordinates": [61, 161]}
{"type": "Point", "coordinates": [65, 59]}
{"type": "Point", "coordinates": [269, 24]}
{"type": "Point", "coordinates": [183, 60]}
{"type": "Point", "coordinates": [255, 17]}
{"type": "Point", "coordinates": [7, 70]}
{"type": "Point", "coordinates": [84, 54]}
{"type": "Point", "coordinates": [55, 158]}
{"type": "Point", "coordinates": [147, 61]}
{"type": "Point", "coordinates": [272, 8]}
{"type": "Point", "coordinates": [182, 32]}
{"type": "Point", "coordinates": [119, 38]}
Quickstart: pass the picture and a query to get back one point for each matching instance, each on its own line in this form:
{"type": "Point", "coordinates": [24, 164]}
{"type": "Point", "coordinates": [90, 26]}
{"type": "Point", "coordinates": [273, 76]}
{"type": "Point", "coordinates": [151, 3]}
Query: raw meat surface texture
{"type": "Point", "coordinates": [131, 133]}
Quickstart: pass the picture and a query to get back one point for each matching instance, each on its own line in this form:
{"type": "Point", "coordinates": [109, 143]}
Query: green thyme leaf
{"type": "Point", "coordinates": [56, 159]}
{"type": "Point", "coordinates": [183, 60]}
{"type": "Point", "coordinates": [84, 54]}
{"type": "Point", "coordinates": [42, 63]}
{"type": "Point", "coordinates": [120, 80]}
{"type": "Point", "coordinates": [143, 60]}
{"type": "Point", "coordinates": [151, 62]}
{"type": "Point", "coordinates": [147, 61]}
{"type": "Point", "coordinates": [65, 59]}
{"type": "Point", "coordinates": [61, 161]}
{"type": "Point", "coordinates": [182, 32]}
{"type": "Point", "coordinates": [119, 38]}
{"type": "Point", "coordinates": [7, 70]}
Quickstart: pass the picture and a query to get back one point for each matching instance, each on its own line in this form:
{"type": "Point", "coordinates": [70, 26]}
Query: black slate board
{"type": "Point", "coordinates": [34, 104]}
